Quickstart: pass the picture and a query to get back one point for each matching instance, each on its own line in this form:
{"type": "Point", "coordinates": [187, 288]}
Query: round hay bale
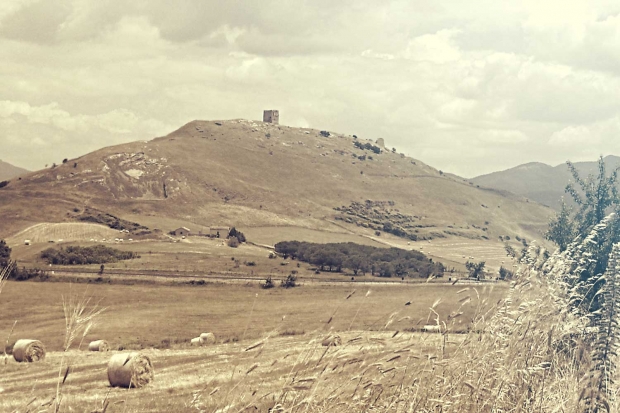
{"type": "Point", "coordinates": [131, 370]}
{"type": "Point", "coordinates": [99, 345]}
{"type": "Point", "coordinates": [208, 337]}
{"type": "Point", "coordinates": [431, 328]}
{"type": "Point", "coordinates": [196, 341]}
{"type": "Point", "coordinates": [332, 341]}
{"type": "Point", "coordinates": [28, 351]}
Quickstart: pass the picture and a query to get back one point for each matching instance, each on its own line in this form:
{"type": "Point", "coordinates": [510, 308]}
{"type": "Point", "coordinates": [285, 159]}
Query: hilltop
{"type": "Point", "coordinates": [8, 171]}
{"type": "Point", "coordinates": [541, 182]}
{"type": "Point", "coordinates": [259, 175]}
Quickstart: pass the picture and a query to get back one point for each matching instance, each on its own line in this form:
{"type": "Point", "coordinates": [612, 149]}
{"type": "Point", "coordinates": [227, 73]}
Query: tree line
{"type": "Point", "coordinates": [361, 259]}
{"type": "Point", "coordinates": [74, 255]}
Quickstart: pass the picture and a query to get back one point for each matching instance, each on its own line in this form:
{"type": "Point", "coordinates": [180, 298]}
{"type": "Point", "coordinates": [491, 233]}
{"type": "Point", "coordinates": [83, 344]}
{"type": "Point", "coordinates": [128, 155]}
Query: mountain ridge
{"type": "Point", "coordinates": [541, 182]}
{"type": "Point", "coordinates": [8, 171]}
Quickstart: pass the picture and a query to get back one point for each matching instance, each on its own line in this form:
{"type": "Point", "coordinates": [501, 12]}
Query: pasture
{"type": "Point", "coordinates": [63, 231]}
{"type": "Point", "coordinates": [286, 324]}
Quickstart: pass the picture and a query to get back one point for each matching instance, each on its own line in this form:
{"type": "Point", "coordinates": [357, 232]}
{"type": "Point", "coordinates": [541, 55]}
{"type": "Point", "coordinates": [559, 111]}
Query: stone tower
{"type": "Point", "coordinates": [381, 143]}
{"type": "Point", "coordinates": [271, 116]}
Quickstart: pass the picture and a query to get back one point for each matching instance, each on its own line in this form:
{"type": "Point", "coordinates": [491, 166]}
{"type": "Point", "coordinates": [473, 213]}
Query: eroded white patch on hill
{"type": "Point", "coordinates": [134, 173]}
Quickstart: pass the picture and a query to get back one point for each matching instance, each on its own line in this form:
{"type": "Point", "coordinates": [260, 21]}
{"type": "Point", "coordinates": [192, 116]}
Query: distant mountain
{"type": "Point", "coordinates": [8, 171]}
{"type": "Point", "coordinates": [540, 182]}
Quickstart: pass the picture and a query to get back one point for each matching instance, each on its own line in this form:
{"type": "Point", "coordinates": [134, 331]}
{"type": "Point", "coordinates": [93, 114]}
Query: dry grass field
{"type": "Point", "coordinates": [208, 379]}
{"type": "Point", "coordinates": [288, 325]}
{"type": "Point", "coordinates": [273, 235]}
{"type": "Point", "coordinates": [200, 256]}
{"type": "Point", "coordinates": [142, 316]}
{"type": "Point", "coordinates": [64, 231]}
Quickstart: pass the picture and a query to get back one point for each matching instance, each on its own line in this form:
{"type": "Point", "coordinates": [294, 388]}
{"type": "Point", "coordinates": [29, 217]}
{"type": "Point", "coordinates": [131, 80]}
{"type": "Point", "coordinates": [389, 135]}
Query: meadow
{"type": "Point", "coordinates": [145, 315]}
{"type": "Point", "coordinates": [288, 324]}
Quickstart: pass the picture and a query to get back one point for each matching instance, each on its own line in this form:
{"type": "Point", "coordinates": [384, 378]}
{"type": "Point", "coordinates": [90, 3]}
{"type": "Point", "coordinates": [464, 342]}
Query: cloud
{"type": "Point", "coordinates": [435, 48]}
{"type": "Point", "coordinates": [467, 87]}
{"type": "Point", "coordinates": [599, 135]}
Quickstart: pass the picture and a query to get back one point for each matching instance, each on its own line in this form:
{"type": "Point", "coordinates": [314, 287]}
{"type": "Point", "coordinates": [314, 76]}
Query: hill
{"type": "Point", "coordinates": [8, 171]}
{"type": "Point", "coordinates": [262, 176]}
{"type": "Point", "coordinates": [540, 182]}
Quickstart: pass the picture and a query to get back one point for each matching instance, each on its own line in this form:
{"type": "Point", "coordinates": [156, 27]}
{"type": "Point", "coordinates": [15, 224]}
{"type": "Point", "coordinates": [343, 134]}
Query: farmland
{"type": "Point", "coordinates": [163, 320]}
{"type": "Point", "coordinates": [58, 232]}
{"type": "Point", "coordinates": [140, 316]}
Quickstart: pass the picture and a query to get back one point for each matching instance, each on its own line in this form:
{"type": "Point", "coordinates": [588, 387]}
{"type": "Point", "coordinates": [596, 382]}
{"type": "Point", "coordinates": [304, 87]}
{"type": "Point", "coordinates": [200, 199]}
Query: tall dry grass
{"type": "Point", "coordinates": [80, 317]}
{"type": "Point", "coordinates": [530, 351]}
{"type": "Point", "coordinates": [4, 277]}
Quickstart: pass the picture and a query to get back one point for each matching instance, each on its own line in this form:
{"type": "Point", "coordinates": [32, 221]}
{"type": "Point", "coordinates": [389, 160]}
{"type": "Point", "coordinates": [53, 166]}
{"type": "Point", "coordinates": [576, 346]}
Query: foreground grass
{"type": "Point", "coordinates": [210, 378]}
{"type": "Point", "coordinates": [277, 360]}
{"type": "Point", "coordinates": [514, 354]}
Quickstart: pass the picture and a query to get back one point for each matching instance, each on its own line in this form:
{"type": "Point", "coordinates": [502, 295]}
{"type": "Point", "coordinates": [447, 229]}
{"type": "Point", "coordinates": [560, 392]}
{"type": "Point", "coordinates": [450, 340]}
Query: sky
{"type": "Point", "coordinates": [467, 87]}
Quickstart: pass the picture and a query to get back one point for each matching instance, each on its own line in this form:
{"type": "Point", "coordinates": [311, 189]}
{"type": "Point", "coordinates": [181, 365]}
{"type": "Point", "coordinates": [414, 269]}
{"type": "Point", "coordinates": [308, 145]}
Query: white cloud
{"type": "Point", "coordinates": [435, 48]}
{"type": "Point", "coordinates": [467, 87]}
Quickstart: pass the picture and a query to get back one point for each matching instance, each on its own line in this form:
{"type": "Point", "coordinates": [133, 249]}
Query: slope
{"type": "Point", "coordinates": [252, 174]}
{"type": "Point", "coordinates": [540, 182]}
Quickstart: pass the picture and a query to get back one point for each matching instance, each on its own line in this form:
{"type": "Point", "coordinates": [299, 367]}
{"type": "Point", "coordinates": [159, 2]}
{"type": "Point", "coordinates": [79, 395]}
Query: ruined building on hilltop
{"type": "Point", "coordinates": [271, 116]}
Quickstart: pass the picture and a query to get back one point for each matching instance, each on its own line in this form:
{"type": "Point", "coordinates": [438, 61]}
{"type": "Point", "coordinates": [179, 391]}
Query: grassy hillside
{"type": "Point", "coordinates": [252, 174]}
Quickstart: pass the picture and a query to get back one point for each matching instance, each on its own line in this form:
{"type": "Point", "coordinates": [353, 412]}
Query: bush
{"type": "Point", "coordinates": [233, 242]}
{"type": "Point", "coordinates": [290, 282]}
{"type": "Point", "coordinates": [3, 184]}
{"type": "Point", "coordinates": [237, 234]}
{"type": "Point", "coordinates": [367, 146]}
{"type": "Point", "coordinates": [505, 274]}
{"type": "Point", "coordinates": [268, 284]}
{"type": "Point", "coordinates": [25, 274]}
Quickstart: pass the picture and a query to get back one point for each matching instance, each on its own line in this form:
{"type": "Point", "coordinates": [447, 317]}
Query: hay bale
{"type": "Point", "coordinates": [28, 351]}
{"type": "Point", "coordinates": [196, 341]}
{"type": "Point", "coordinates": [131, 370]}
{"type": "Point", "coordinates": [431, 328]}
{"type": "Point", "coordinates": [207, 338]}
{"type": "Point", "coordinates": [332, 340]}
{"type": "Point", "coordinates": [99, 345]}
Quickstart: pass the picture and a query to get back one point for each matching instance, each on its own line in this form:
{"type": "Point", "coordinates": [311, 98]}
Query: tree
{"type": "Point", "coordinates": [597, 197]}
{"type": "Point", "coordinates": [505, 274]}
{"type": "Point", "coordinates": [354, 263]}
{"type": "Point", "coordinates": [237, 234]}
{"type": "Point", "coordinates": [561, 228]}
{"type": "Point", "coordinates": [510, 251]}
{"type": "Point", "coordinates": [5, 254]}
{"type": "Point", "coordinates": [597, 222]}
{"type": "Point", "coordinates": [386, 269]}
{"type": "Point", "coordinates": [476, 270]}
